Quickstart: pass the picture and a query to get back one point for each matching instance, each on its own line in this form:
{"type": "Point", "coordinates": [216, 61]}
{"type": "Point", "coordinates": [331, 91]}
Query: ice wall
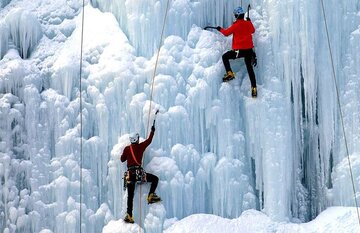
{"type": "Point", "coordinates": [15, 167]}
{"type": "Point", "coordinates": [216, 150]}
{"type": "Point", "coordinates": [191, 180]}
{"type": "Point", "coordinates": [298, 50]}
{"type": "Point", "coordinates": [40, 158]}
{"type": "Point", "coordinates": [347, 73]}
{"type": "Point", "coordinates": [143, 21]}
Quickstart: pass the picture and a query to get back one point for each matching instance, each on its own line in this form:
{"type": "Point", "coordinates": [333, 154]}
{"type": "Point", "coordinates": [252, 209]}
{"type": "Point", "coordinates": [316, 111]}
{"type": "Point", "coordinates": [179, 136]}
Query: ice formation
{"type": "Point", "coordinates": [216, 150]}
{"type": "Point", "coordinates": [4, 39]}
{"type": "Point", "coordinates": [3, 3]}
{"type": "Point", "coordinates": [24, 31]}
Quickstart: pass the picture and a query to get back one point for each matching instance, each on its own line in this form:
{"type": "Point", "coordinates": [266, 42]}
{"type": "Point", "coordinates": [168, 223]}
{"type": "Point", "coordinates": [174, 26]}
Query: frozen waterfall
{"type": "Point", "coordinates": [216, 150]}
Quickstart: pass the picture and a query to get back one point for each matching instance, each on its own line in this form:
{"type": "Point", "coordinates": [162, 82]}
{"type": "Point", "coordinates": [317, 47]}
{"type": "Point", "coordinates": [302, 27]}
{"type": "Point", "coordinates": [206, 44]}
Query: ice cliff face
{"type": "Point", "coordinates": [216, 150]}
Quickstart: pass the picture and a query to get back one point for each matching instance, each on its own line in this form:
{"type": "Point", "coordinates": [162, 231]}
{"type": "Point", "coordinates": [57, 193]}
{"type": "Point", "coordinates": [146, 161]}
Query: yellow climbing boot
{"type": "Point", "coordinates": [228, 76]}
{"type": "Point", "coordinates": [253, 92]}
{"type": "Point", "coordinates": [153, 198]}
{"type": "Point", "coordinates": [128, 218]}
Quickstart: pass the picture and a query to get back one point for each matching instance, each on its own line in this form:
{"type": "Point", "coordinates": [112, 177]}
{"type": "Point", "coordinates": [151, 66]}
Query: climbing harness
{"type": "Point", "coordinates": [340, 111]}
{"type": "Point", "coordinates": [134, 174]}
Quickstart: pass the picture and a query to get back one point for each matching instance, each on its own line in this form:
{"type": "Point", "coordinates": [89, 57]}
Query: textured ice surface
{"type": "Point", "coordinates": [216, 150]}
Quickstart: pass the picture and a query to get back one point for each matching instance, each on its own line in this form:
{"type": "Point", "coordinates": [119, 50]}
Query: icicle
{"type": "Point", "coordinates": [4, 39]}
{"type": "Point", "coordinates": [25, 31]}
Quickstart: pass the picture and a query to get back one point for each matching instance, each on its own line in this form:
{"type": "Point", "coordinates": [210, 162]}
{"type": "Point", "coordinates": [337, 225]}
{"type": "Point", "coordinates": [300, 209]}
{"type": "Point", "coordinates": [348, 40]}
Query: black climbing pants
{"type": "Point", "coordinates": [245, 53]}
{"type": "Point", "coordinates": [131, 190]}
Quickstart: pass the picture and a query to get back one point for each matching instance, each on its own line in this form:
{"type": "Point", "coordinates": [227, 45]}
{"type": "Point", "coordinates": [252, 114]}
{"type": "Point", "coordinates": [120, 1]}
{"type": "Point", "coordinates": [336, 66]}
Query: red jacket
{"type": "Point", "coordinates": [138, 150]}
{"type": "Point", "coordinates": [242, 34]}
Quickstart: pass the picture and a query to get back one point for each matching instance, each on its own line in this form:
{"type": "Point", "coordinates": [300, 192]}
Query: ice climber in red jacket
{"type": "Point", "coordinates": [242, 46]}
{"type": "Point", "coordinates": [133, 154]}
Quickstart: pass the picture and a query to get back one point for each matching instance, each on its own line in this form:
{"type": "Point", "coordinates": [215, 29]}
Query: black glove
{"type": "Point", "coordinates": [218, 28]}
{"type": "Point", "coordinates": [153, 128]}
{"type": "Point", "coordinates": [253, 59]}
{"type": "Point", "coordinates": [248, 19]}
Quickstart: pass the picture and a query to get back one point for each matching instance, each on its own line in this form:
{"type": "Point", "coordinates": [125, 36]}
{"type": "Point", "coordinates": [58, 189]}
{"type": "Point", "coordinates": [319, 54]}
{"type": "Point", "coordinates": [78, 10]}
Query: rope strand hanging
{"type": "Point", "coordinates": [340, 111]}
{"type": "Point", "coordinates": [156, 63]}
{"type": "Point", "coordinates": [80, 106]}
{"type": "Point", "coordinates": [151, 93]}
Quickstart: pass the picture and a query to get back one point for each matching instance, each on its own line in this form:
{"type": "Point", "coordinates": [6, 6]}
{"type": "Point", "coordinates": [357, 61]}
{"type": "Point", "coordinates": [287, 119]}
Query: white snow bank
{"type": "Point", "coordinates": [153, 222]}
{"type": "Point", "coordinates": [332, 220]}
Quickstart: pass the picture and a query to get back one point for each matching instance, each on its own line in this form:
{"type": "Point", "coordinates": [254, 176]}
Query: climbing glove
{"type": "Point", "coordinates": [153, 128]}
{"type": "Point", "coordinates": [253, 59]}
{"type": "Point", "coordinates": [218, 28]}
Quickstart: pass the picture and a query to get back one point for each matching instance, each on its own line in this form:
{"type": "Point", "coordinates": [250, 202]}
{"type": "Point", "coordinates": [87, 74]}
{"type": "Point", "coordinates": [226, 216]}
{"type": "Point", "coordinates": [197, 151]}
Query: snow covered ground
{"type": "Point", "coordinates": [332, 220]}
{"type": "Point", "coordinates": [216, 150]}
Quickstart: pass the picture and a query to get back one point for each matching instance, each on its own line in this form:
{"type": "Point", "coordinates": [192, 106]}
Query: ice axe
{"type": "Point", "coordinates": [209, 27]}
{"type": "Point", "coordinates": [157, 111]}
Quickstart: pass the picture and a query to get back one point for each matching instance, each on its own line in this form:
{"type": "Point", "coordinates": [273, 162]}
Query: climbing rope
{"type": "Point", "coordinates": [152, 91]}
{"type": "Point", "coordinates": [156, 63]}
{"type": "Point", "coordinates": [80, 106]}
{"type": "Point", "coordinates": [340, 110]}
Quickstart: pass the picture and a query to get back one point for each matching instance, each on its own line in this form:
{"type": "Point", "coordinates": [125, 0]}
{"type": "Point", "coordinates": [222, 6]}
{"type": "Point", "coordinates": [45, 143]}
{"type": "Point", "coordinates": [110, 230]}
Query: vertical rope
{"type": "Point", "coordinates": [152, 89]}
{"type": "Point", "coordinates": [156, 63]}
{"type": "Point", "coordinates": [340, 110]}
{"type": "Point", "coordinates": [81, 115]}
